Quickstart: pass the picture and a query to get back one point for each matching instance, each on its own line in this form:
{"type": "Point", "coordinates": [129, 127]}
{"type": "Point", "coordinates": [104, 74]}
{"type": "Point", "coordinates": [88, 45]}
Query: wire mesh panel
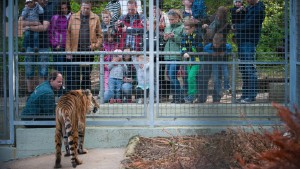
{"type": "Point", "coordinates": [169, 59]}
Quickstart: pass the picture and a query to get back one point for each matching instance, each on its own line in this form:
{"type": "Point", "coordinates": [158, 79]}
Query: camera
{"type": "Point", "coordinates": [122, 25]}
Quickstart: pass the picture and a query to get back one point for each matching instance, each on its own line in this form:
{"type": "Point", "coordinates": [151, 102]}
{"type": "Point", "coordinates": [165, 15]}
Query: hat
{"type": "Point", "coordinates": [238, 1]}
{"type": "Point", "coordinates": [28, 1]}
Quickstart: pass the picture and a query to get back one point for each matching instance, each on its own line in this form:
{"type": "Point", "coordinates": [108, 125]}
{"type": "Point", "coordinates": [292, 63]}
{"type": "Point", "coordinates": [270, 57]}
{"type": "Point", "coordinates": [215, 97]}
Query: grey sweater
{"type": "Point", "coordinates": [117, 70]}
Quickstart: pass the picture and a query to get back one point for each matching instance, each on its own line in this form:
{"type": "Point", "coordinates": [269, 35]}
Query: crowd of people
{"type": "Point", "coordinates": [188, 30]}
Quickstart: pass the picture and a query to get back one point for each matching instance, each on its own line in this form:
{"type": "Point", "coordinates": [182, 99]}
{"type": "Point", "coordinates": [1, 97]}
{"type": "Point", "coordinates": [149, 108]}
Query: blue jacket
{"type": "Point", "coordinates": [41, 101]}
{"type": "Point", "coordinates": [249, 29]}
{"type": "Point", "coordinates": [210, 49]}
{"type": "Point", "coordinates": [199, 9]}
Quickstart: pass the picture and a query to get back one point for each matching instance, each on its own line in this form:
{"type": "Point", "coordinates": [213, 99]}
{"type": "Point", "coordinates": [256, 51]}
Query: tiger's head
{"type": "Point", "coordinates": [94, 106]}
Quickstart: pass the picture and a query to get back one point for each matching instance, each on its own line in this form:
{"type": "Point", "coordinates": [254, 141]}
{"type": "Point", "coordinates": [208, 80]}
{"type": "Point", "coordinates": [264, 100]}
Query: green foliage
{"type": "Point", "coordinates": [96, 7]}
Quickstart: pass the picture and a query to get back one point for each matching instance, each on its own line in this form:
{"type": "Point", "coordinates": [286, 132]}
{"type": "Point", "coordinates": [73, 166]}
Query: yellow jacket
{"type": "Point", "coordinates": [74, 28]}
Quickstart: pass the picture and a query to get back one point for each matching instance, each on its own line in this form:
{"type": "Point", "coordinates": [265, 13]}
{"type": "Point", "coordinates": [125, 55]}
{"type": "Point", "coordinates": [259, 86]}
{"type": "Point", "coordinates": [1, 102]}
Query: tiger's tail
{"type": "Point", "coordinates": [72, 140]}
{"type": "Point", "coordinates": [58, 144]}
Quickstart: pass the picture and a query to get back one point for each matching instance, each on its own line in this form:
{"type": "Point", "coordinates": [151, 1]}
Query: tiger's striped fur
{"type": "Point", "coordinates": [71, 113]}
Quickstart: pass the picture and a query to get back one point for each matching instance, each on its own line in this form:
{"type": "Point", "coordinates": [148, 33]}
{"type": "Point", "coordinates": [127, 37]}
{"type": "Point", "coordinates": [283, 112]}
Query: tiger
{"type": "Point", "coordinates": [71, 110]}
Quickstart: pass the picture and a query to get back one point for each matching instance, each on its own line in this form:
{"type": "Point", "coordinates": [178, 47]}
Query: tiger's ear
{"type": "Point", "coordinates": [86, 92]}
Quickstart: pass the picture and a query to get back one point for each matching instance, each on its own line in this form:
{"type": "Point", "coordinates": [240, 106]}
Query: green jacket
{"type": "Point", "coordinates": [173, 45]}
{"type": "Point", "coordinates": [41, 102]}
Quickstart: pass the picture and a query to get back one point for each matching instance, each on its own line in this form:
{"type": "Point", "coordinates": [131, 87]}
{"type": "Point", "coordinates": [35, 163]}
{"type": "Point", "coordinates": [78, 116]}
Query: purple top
{"type": "Point", "coordinates": [58, 30]}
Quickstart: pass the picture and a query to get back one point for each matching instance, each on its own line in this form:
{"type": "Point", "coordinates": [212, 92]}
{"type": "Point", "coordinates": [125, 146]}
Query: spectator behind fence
{"type": "Point", "coordinates": [44, 46]}
{"type": "Point", "coordinates": [187, 9]}
{"type": "Point", "coordinates": [129, 79]}
{"type": "Point", "coordinates": [142, 75]}
{"type": "Point", "coordinates": [162, 24]}
{"type": "Point", "coordinates": [238, 12]}
{"type": "Point", "coordinates": [115, 81]}
{"type": "Point", "coordinates": [219, 24]}
{"type": "Point", "coordinates": [42, 101]}
{"type": "Point", "coordinates": [84, 35]}
{"type": "Point", "coordinates": [31, 13]}
{"type": "Point", "coordinates": [191, 42]}
{"type": "Point", "coordinates": [172, 36]}
{"type": "Point", "coordinates": [110, 42]}
{"type": "Point", "coordinates": [58, 33]}
{"type": "Point", "coordinates": [130, 27]}
{"type": "Point", "coordinates": [114, 7]}
{"type": "Point", "coordinates": [247, 35]}
{"type": "Point", "coordinates": [219, 51]}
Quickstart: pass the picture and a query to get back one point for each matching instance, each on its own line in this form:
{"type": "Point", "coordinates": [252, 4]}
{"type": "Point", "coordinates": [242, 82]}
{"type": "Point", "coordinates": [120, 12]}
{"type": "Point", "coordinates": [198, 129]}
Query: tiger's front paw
{"type": "Point", "coordinates": [57, 163]}
{"type": "Point", "coordinates": [82, 151]}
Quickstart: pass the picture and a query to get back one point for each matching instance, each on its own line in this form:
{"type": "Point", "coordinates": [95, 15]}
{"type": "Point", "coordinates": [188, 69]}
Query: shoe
{"type": "Point", "coordinates": [189, 99]}
{"type": "Point", "coordinates": [179, 101]}
{"type": "Point", "coordinates": [247, 100]}
{"type": "Point", "coordinates": [140, 101]}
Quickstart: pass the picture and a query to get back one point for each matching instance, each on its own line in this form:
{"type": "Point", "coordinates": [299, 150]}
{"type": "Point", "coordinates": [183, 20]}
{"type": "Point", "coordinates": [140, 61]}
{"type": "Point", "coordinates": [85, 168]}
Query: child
{"type": "Point", "coordinates": [31, 13]}
{"type": "Point", "coordinates": [219, 50]}
{"type": "Point", "coordinates": [191, 42]}
{"type": "Point", "coordinates": [115, 80]}
{"type": "Point", "coordinates": [109, 42]}
{"type": "Point", "coordinates": [172, 37]}
{"type": "Point", "coordinates": [129, 78]}
{"type": "Point", "coordinates": [187, 10]}
{"type": "Point", "coordinates": [238, 12]}
{"type": "Point", "coordinates": [114, 7]}
{"type": "Point", "coordinates": [142, 71]}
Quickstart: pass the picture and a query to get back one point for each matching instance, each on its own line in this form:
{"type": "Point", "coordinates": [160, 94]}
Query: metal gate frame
{"type": "Point", "coordinates": [294, 7]}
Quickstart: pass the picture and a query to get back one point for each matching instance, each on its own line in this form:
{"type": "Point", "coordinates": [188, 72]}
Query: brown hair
{"type": "Point", "coordinates": [175, 12]}
{"type": "Point", "coordinates": [132, 2]}
{"type": "Point", "coordinates": [53, 75]}
{"type": "Point", "coordinates": [219, 38]}
{"type": "Point", "coordinates": [190, 23]}
{"type": "Point", "coordinates": [106, 12]}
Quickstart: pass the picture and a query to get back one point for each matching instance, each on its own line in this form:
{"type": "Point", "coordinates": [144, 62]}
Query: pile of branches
{"type": "Point", "coordinates": [287, 152]}
{"type": "Point", "coordinates": [228, 149]}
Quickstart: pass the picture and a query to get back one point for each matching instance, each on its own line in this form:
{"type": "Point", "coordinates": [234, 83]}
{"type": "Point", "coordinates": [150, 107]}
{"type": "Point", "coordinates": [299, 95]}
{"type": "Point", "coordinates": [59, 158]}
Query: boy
{"type": "Point", "coordinates": [219, 50]}
{"type": "Point", "coordinates": [191, 42]}
{"type": "Point", "coordinates": [238, 12]}
{"type": "Point", "coordinates": [31, 13]}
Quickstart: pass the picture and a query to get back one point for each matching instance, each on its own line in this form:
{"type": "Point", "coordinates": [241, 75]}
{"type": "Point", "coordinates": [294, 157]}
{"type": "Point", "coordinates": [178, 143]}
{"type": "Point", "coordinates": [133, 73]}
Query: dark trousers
{"type": "Point", "coordinates": [74, 72]}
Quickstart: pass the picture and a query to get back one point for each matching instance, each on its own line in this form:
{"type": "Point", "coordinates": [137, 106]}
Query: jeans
{"type": "Point", "coordinates": [31, 37]}
{"type": "Point", "coordinates": [59, 58]}
{"type": "Point", "coordinates": [174, 83]}
{"type": "Point", "coordinates": [127, 90]}
{"type": "Point", "coordinates": [114, 89]}
{"type": "Point", "coordinates": [42, 69]}
{"type": "Point", "coordinates": [246, 51]}
{"type": "Point", "coordinates": [220, 70]}
{"type": "Point", "coordinates": [203, 79]}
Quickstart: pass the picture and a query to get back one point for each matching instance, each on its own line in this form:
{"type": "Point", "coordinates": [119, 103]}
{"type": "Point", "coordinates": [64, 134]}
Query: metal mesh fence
{"type": "Point", "coordinates": [203, 65]}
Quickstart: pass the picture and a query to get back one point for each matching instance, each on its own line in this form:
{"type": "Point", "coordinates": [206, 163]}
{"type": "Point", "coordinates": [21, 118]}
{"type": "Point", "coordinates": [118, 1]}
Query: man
{"type": "Point", "coordinates": [130, 27]}
{"type": "Point", "coordinates": [84, 34]}
{"type": "Point", "coordinates": [42, 101]}
{"type": "Point", "coordinates": [43, 45]}
{"type": "Point", "coordinates": [247, 37]}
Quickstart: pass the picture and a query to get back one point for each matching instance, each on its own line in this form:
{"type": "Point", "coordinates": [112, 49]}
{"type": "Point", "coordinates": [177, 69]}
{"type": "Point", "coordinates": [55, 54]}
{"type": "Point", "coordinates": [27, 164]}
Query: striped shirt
{"type": "Point", "coordinates": [115, 8]}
